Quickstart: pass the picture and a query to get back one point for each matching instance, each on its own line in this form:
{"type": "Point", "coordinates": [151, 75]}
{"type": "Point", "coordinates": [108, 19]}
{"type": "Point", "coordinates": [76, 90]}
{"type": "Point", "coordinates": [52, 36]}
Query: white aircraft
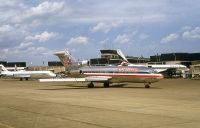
{"type": "Point", "coordinates": [22, 74]}
{"type": "Point", "coordinates": [157, 67]}
{"type": "Point", "coordinates": [111, 74]}
{"type": "Point", "coordinates": [165, 67]}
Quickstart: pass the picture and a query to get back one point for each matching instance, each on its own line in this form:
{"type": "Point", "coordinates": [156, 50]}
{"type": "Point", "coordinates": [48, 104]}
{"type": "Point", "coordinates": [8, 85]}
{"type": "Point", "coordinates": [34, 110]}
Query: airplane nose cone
{"type": "Point", "coordinates": [54, 75]}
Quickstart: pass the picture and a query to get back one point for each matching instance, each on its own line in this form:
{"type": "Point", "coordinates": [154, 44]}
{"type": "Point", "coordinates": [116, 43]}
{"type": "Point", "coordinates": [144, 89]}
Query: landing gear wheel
{"type": "Point", "coordinates": [26, 78]}
{"type": "Point", "coordinates": [147, 85]}
{"type": "Point", "coordinates": [91, 85]}
{"type": "Point", "coordinates": [106, 85]}
{"type": "Point", "coordinates": [21, 79]}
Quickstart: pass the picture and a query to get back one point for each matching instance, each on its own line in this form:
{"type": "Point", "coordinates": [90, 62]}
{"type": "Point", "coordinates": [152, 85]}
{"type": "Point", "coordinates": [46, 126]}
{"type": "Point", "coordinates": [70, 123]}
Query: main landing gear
{"type": "Point", "coordinates": [105, 84]}
{"type": "Point", "coordinates": [91, 85]}
{"type": "Point", "coordinates": [147, 85]}
{"type": "Point", "coordinates": [26, 78]}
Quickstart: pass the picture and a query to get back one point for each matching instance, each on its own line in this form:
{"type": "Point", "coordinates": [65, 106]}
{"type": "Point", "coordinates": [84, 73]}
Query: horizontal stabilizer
{"type": "Point", "coordinates": [63, 80]}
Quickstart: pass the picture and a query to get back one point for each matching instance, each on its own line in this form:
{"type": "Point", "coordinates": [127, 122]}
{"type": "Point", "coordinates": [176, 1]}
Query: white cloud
{"type": "Point", "coordinates": [104, 41]}
{"type": "Point", "coordinates": [186, 28]}
{"type": "Point", "coordinates": [5, 28]}
{"type": "Point", "coordinates": [7, 3]}
{"type": "Point", "coordinates": [105, 27]}
{"type": "Point", "coordinates": [24, 45]}
{"type": "Point", "coordinates": [78, 40]}
{"type": "Point", "coordinates": [46, 8]}
{"type": "Point", "coordinates": [170, 38]}
{"type": "Point", "coordinates": [39, 51]}
{"type": "Point", "coordinates": [25, 52]}
{"type": "Point", "coordinates": [43, 37]}
{"type": "Point", "coordinates": [126, 38]}
{"type": "Point", "coordinates": [23, 22]}
{"type": "Point", "coordinates": [143, 36]}
{"type": "Point", "coordinates": [192, 34]}
{"type": "Point", "coordinates": [128, 11]}
{"type": "Point", "coordinates": [43, 10]}
{"type": "Point", "coordinates": [122, 39]}
{"type": "Point", "coordinates": [11, 35]}
{"type": "Point", "coordinates": [186, 32]}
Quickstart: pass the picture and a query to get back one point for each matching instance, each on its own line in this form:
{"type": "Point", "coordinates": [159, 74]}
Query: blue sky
{"type": "Point", "coordinates": [32, 31]}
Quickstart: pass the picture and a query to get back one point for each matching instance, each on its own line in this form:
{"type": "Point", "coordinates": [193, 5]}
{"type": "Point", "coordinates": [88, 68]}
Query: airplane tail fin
{"type": "Point", "coordinates": [119, 52]}
{"type": "Point", "coordinates": [65, 58]}
{"type": "Point", "coordinates": [125, 61]}
{"type": "Point", "coordinates": [16, 67]}
{"type": "Point", "coordinates": [2, 68]}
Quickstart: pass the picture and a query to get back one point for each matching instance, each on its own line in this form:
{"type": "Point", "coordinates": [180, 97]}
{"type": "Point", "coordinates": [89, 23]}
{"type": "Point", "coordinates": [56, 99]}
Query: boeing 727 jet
{"type": "Point", "coordinates": [110, 74]}
{"type": "Point", "coordinates": [113, 74]}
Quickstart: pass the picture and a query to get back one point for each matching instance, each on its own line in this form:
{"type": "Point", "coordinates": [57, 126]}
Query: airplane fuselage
{"type": "Point", "coordinates": [28, 74]}
{"type": "Point", "coordinates": [124, 73]}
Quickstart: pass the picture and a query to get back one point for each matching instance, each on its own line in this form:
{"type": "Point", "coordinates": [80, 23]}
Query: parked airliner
{"type": "Point", "coordinates": [22, 74]}
{"type": "Point", "coordinates": [111, 74]}
{"type": "Point", "coordinates": [157, 67]}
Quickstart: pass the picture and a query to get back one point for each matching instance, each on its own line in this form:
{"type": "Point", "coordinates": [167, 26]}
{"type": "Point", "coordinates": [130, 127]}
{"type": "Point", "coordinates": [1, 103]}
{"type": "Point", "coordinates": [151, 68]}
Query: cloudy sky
{"type": "Point", "coordinates": [31, 30]}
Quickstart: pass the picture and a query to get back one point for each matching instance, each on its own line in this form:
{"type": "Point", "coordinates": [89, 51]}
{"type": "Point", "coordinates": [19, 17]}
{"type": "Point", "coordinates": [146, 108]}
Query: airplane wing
{"type": "Point", "coordinates": [165, 70]}
{"type": "Point", "coordinates": [160, 70]}
{"type": "Point", "coordinates": [86, 79]}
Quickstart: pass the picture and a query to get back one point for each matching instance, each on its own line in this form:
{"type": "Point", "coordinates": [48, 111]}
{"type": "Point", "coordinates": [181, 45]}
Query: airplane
{"type": "Point", "coordinates": [22, 74]}
{"type": "Point", "coordinates": [161, 68]}
{"type": "Point", "coordinates": [111, 74]}
{"type": "Point", "coordinates": [165, 67]}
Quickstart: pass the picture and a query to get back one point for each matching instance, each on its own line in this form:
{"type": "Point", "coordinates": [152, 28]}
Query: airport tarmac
{"type": "Point", "coordinates": [170, 103]}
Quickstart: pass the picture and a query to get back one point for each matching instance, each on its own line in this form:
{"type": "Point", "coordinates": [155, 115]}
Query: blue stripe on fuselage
{"type": "Point", "coordinates": [117, 69]}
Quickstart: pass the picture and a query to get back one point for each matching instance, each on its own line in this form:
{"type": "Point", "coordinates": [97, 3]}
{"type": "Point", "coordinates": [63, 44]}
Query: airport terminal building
{"type": "Point", "coordinates": [13, 64]}
{"type": "Point", "coordinates": [111, 57]}
{"type": "Point", "coordinates": [186, 59]}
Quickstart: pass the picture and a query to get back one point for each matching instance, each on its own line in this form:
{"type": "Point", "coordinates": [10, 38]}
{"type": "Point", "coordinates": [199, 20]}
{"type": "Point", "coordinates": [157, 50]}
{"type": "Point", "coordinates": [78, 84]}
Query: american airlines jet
{"type": "Point", "coordinates": [111, 74]}
{"type": "Point", "coordinates": [22, 74]}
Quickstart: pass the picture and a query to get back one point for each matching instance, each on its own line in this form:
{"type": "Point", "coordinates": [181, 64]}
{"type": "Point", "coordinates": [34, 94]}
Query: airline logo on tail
{"type": "Point", "coordinates": [66, 61]}
{"type": "Point", "coordinates": [2, 68]}
{"type": "Point", "coordinates": [65, 58]}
